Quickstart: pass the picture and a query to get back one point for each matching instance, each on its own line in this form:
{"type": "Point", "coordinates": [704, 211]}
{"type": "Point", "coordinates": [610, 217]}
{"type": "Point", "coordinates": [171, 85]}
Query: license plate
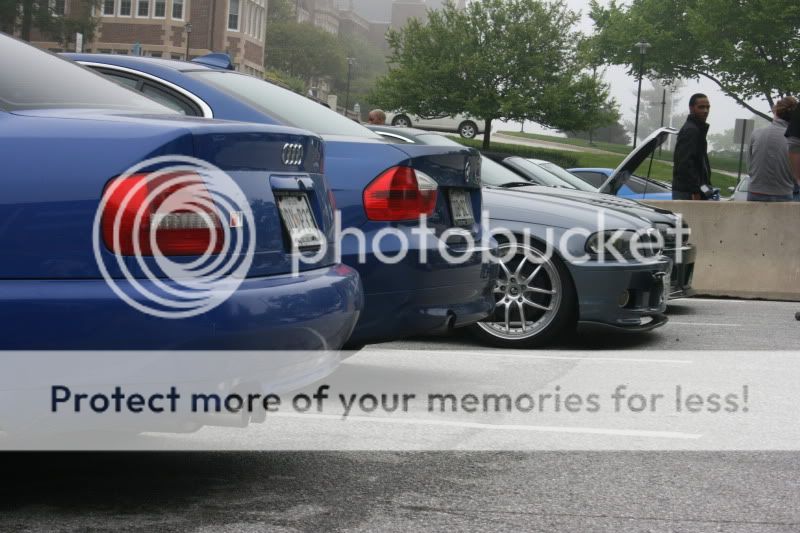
{"type": "Point", "coordinates": [461, 207]}
{"type": "Point", "coordinates": [299, 220]}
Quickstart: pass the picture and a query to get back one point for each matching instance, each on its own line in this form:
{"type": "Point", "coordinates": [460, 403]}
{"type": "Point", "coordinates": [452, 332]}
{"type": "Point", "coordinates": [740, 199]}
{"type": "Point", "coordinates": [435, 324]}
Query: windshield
{"type": "Point", "coordinates": [572, 179]}
{"type": "Point", "coordinates": [536, 173]}
{"type": "Point", "coordinates": [285, 106]}
{"type": "Point", "coordinates": [496, 174]}
{"type": "Point", "coordinates": [28, 79]}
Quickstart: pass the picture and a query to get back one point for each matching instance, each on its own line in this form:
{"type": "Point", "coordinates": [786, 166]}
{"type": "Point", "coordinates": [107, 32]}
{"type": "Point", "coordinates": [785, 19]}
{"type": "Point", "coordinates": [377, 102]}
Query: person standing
{"type": "Point", "coordinates": [376, 116]}
{"type": "Point", "coordinates": [691, 173]}
{"type": "Point", "coordinates": [771, 177]}
{"type": "Point", "coordinates": [793, 145]}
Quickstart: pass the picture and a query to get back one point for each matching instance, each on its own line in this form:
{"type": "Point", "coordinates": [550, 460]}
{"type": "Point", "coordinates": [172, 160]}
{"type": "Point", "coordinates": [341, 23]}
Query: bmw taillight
{"type": "Point", "coordinates": [176, 214]}
{"type": "Point", "coordinates": [400, 193]}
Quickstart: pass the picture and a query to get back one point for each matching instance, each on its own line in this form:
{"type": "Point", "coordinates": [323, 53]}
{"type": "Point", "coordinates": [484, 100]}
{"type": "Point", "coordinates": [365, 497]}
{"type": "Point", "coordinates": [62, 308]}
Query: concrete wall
{"type": "Point", "coordinates": [744, 249]}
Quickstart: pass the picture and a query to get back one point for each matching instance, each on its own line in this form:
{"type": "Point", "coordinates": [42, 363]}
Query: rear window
{"type": "Point", "coordinates": [285, 106]}
{"type": "Point", "coordinates": [33, 79]}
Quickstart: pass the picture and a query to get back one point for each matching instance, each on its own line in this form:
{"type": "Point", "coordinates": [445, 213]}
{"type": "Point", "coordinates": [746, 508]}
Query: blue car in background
{"type": "Point", "coordinates": [636, 188]}
{"type": "Point", "coordinates": [67, 138]}
{"type": "Point", "coordinates": [376, 186]}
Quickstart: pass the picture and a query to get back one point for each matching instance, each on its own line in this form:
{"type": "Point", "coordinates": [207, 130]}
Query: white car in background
{"type": "Point", "coordinates": [739, 193]}
{"type": "Point", "coordinates": [466, 126]}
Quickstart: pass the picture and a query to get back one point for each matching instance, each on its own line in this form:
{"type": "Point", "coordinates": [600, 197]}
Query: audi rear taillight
{"type": "Point", "coordinates": [174, 213]}
{"type": "Point", "coordinates": [400, 193]}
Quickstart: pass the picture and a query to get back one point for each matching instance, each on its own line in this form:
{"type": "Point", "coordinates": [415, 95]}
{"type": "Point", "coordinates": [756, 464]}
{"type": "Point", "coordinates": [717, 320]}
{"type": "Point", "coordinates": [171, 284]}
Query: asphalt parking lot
{"type": "Point", "coordinates": [667, 490]}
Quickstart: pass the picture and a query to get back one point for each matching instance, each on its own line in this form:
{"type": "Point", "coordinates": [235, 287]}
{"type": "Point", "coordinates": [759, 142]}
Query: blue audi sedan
{"type": "Point", "coordinates": [377, 186]}
{"type": "Point", "coordinates": [109, 204]}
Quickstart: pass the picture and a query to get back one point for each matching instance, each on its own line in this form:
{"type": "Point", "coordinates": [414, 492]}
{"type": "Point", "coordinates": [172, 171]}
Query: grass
{"type": "Point", "coordinates": [724, 162]}
{"type": "Point", "coordinates": [660, 170]}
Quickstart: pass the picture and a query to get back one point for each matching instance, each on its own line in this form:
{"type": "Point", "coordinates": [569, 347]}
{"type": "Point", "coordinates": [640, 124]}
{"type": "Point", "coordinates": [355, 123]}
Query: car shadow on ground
{"type": "Point", "coordinates": [585, 337]}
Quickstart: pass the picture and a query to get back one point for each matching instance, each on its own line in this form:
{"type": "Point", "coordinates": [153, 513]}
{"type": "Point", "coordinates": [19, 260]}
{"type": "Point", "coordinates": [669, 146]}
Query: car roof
{"type": "Point", "coordinates": [122, 60]}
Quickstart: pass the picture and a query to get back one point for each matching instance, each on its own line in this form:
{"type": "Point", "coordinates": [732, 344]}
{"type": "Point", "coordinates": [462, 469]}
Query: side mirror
{"type": "Point", "coordinates": [731, 189]}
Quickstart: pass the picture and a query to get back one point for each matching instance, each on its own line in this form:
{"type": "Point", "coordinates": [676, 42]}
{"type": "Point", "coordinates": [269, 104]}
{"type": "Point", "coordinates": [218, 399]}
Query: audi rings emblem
{"type": "Point", "coordinates": [292, 154]}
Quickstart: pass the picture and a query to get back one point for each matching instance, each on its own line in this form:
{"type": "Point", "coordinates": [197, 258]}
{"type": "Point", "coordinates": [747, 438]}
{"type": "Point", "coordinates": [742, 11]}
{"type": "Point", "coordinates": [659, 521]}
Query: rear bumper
{"type": "Point", "coordinates": [422, 293]}
{"type": "Point", "coordinates": [315, 310]}
{"type": "Point", "coordinates": [397, 315]}
{"type": "Point", "coordinates": [628, 296]}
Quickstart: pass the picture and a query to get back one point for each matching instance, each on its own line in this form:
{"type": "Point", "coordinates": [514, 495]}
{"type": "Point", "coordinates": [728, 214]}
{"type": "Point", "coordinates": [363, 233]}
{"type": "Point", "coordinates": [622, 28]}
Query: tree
{"type": "Point", "coordinates": [24, 15]}
{"type": "Point", "coordinates": [280, 11]}
{"type": "Point", "coordinates": [496, 60]}
{"type": "Point", "coordinates": [657, 99]}
{"type": "Point", "coordinates": [614, 134]}
{"type": "Point", "coordinates": [304, 51]}
{"type": "Point", "coordinates": [747, 48]}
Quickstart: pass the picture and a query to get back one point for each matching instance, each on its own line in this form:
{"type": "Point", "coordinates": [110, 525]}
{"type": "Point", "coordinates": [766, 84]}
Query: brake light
{"type": "Point", "coordinates": [400, 193]}
{"type": "Point", "coordinates": [179, 214]}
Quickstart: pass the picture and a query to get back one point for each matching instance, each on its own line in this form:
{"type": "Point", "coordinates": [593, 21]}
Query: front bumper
{"type": "Point", "coordinates": [683, 260]}
{"type": "Point", "coordinates": [629, 296]}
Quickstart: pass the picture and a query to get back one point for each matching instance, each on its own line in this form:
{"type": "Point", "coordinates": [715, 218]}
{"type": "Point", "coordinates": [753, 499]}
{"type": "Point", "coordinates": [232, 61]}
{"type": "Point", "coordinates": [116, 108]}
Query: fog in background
{"type": "Point", "coordinates": [724, 110]}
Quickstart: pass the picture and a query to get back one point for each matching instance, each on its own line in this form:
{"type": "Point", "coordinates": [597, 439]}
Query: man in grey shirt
{"type": "Point", "coordinates": [771, 177]}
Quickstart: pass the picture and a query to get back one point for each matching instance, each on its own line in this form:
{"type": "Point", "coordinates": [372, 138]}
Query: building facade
{"type": "Point", "coordinates": [175, 29]}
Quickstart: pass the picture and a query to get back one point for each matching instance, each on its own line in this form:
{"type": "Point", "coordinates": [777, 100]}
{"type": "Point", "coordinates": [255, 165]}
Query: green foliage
{"type": "Point", "coordinates": [280, 11]}
{"type": "Point", "coordinates": [24, 15]}
{"type": "Point", "coordinates": [614, 133]}
{"type": "Point", "coordinates": [497, 59]}
{"type": "Point", "coordinates": [748, 48]}
{"type": "Point", "coordinates": [284, 80]}
{"type": "Point", "coordinates": [304, 51]}
{"type": "Point", "coordinates": [559, 158]}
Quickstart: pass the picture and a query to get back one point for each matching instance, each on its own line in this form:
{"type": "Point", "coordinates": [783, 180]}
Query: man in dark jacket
{"type": "Point", "coordinates": [691, 174]}
{"type": "Point", "coordinates": [793, 140]}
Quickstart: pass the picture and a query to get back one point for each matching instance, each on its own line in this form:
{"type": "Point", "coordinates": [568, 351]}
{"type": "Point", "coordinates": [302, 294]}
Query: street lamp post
{"type": "Point", "coordinates": [642, 46]}
{"type": "Point", "coordinates": [188, 28]}
{"type": "Point", "coordinates": [350, 62]}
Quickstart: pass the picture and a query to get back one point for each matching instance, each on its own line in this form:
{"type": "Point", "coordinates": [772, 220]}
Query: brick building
{"type": "Point", "coordinates": [159, 28]}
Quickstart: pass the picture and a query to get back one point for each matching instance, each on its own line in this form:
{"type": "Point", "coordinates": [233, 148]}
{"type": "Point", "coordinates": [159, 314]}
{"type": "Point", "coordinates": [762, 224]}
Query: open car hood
{"type": "Point", "coordinates": [632, 161]}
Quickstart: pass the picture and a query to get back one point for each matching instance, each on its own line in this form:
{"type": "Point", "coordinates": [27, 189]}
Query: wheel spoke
{"type": "Point", "coordinates": [505, 269]}
{"type": "Point", "coordinates": [508, 317]}
{"type": "Point", "coordinates": [539, 291]}
{"type": "Point", "coordinates": [533, 275]}
{"type": "Point", "coordinates": [519, 266]}
{"type": "Point", "coordinates": [521, 314]}
{"type": "Point", "coordinates": [535, 305]}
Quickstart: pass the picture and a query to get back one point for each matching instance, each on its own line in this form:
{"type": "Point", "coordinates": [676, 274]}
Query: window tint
{"type": "Point", "coordinates": [169, 99]}
{"type": "Point", "coordinates": [641, 186]}
{"type": "Point", "coordinates": [41, 80]}
{"type": "Point", "coordinates": [283, 105]}
{"type": "Point", "coordinates": [594, 178]}
{"type": "Point", "coordinates": [125, 81]}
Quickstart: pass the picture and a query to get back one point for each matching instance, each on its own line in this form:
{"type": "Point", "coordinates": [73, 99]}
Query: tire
{"type": "Point", "coordinates": [468, 129]}
{"type": "Point", "coordinates": [401, 121]}
{"type": "Point", "coordinates": [545, 297]}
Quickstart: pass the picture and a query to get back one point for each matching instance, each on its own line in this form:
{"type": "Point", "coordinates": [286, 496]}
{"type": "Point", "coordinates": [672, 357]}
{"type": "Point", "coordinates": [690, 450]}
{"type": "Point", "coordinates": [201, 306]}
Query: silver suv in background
{"type": "Point", "coordinates": [466, 126]}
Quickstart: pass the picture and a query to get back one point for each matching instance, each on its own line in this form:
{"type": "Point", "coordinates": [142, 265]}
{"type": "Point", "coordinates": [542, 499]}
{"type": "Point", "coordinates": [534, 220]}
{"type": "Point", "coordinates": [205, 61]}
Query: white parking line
{"type": "Point", "coordinates": [503, 427]}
